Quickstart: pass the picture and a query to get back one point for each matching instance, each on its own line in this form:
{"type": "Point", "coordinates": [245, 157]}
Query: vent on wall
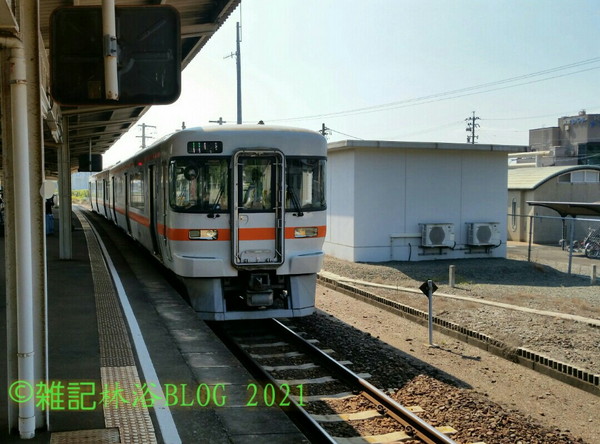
{"type": "Point", "coordinates": [483, 233]}
{"type": "Point", "coordinates": [437, 235]}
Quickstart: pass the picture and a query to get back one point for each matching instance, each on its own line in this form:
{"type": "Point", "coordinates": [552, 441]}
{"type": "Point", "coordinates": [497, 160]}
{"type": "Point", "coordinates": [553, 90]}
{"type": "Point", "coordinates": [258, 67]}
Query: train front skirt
{"type": "Point", "coordinates": [226, 299]}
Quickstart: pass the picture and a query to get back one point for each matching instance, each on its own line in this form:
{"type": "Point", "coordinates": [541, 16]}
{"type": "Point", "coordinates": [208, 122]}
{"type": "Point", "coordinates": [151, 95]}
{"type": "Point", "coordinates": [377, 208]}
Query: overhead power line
{"type": "Point", "coordinates": [347, 135]}
{"type": "Point", "coordinates": [461, 92]}
{"type": "Point", "coordinates": [328, 131]}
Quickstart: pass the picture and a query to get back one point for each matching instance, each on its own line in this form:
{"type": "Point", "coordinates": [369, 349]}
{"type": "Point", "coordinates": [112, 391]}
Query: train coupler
{"type": "Point", "coordinates": [259, 293]}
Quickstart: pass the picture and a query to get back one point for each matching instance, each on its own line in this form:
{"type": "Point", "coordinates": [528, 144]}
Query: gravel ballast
{"type": "Point", "coordinates": [396, 353]}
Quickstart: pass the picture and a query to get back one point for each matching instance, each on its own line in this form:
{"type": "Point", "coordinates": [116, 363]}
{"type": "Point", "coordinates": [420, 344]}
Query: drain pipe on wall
{"type": "Point", "coordinates": [23, 236]}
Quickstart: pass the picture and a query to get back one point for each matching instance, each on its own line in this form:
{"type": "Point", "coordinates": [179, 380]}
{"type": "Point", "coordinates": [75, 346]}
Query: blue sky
{"type": "Point", "coordinates": [394, 69]}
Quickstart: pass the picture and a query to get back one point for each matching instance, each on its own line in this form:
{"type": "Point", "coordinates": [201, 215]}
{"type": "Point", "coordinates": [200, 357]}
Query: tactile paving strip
{"type": "Point", "coordinates": [115, 348]}
{"type": "Point", "coordinates": [126, 413]}
{"type": "Point", "coordinates": [127, 409]}
{"type": "Point", "coordinates": [97, 436]}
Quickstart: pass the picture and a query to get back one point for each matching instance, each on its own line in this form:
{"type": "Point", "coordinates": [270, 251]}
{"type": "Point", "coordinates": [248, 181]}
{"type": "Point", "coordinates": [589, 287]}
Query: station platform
{"type": "Point", "coordinates": [129, 361]}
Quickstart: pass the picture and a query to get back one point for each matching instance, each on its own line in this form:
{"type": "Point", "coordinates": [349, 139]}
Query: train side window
{"type": "Point", "coordinates": [136, 191]}
{"type": "Point", "coordinates": [305, 180]}
{"type": "Point", "coordinates": [199, 185]}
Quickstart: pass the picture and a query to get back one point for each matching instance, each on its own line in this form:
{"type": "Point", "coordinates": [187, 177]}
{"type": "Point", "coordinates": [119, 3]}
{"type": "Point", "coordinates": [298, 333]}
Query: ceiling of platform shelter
{"type": "Point", "coordinates": [103, 125]}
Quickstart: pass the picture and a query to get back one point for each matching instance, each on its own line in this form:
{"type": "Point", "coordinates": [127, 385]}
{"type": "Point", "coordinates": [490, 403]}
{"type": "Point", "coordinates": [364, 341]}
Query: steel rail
{"type": "Point", "coordinates": [305, 422]}
{"type": "Point", "coordinates": [414, 425]}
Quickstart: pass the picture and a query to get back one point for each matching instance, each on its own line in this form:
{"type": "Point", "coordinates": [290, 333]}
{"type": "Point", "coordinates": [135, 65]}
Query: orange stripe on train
{"type": "Point", "coordinates": [224, 234]}
{"type": "Point", "coordinates": [245, 234]}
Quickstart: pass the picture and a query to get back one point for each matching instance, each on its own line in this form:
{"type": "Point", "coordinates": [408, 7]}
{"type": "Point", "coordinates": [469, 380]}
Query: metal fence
{"type": "Point", "coordinates": [568, 244]}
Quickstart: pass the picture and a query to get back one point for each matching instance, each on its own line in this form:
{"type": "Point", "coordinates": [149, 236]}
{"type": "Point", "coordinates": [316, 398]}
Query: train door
{"type": "Point", "coordinates": [94, 185]}
{"type": "Point", "coordinates": [153, 208]}
{"type": "Point", "coordinates": [105, 197]}
{"type": "Point", "coordinates": [257, 222]}
{"type": "Point", "coordinates": [99, 188]}
{"type": "Point", "coordinates": [92, 194]}
{"type": "Point", "coordinates": [114, 200]}
{"type": "Point", "coordinates": [127, 221]}
{"type": "Point", "coordinates": [162, 210]}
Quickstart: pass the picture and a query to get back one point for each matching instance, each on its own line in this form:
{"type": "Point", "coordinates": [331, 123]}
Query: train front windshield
{"type": "Point", "coordinates": [201, 185]}
{"type": "Point", "coordinates": [305, 180]}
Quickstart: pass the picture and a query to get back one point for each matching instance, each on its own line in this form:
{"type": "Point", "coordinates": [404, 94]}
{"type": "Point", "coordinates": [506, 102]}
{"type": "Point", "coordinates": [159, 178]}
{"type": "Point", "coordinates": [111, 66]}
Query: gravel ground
{"type": "Point", "coordinates": [512, 282]}
{"type": "Point", "coordinates": [485, 397]}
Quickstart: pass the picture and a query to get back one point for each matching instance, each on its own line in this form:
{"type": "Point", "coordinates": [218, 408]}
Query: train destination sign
{"type": "Point", "coordinates": [194, 147]}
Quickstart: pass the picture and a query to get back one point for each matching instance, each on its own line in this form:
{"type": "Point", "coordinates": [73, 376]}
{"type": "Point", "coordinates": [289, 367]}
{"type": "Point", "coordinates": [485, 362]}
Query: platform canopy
{"type": "Point", "coordinates": [104, 125]}
{"type": "Point", "coordinates": [572, 209]}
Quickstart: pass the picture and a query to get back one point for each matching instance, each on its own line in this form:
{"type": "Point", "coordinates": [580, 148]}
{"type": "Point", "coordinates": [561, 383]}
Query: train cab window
{"type": "Point", "coordinates": [199, 185]}
{"type": "Point", "coordinates": [257, 183]}
{"type": "Point", "coordinates": [305, 179]}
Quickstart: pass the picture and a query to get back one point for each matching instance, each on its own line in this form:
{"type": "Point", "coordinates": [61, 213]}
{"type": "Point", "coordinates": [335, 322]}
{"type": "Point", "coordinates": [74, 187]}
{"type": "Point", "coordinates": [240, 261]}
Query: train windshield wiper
{"type": "Point", "coordinates": [295, 201]}
{"type": "Point", "coordinates": [215, 205]}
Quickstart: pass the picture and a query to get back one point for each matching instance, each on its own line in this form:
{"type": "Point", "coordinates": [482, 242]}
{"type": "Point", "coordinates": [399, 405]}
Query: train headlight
{"type": "Point", "coordinates": [301, 232]}
{"type": "Point", "coordinates": [204, 234]}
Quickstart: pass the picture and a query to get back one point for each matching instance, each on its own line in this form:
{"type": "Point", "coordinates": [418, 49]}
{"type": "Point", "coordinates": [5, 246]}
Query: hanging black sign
{"type": "Point", "coordinates": [148, 55]}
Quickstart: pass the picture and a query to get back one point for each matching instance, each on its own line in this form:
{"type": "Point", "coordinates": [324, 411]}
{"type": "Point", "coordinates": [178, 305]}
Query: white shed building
{"type": "Point", "coordinates": [411, 201]}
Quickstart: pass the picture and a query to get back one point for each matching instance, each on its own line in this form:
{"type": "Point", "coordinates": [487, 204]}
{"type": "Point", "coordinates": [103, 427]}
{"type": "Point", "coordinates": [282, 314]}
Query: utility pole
{"type": "Point", "coordinates": [144, 136]}
{"type": "Point", "coordinates": [471, 125]}
{"type": "Point", "coordinates": [238, 55]}
{"type": "Point", "coordinates": [220, 121]}
{"type": "Point", "coordinates": [324, 130]}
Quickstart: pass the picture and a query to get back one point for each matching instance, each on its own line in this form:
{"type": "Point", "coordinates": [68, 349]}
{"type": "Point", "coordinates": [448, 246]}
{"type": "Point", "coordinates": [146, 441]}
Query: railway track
{"type": "Point", "coordinates": [306, 381]}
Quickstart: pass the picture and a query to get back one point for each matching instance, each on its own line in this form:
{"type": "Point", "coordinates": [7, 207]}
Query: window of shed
{"type": "Point", "coordinates": [577, 176]}
{"type": "Point", "coordinates": [514, 214]}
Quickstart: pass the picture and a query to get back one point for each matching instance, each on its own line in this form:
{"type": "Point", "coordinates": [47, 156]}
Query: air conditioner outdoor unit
{"type": "Point", "coordinates": [483, 233]}
{"type": "Point", "coordinates": [437, 235]}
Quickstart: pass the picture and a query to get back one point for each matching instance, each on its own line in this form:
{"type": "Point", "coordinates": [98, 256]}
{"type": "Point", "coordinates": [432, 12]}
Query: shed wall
{"type": "Point", "coordinates": [340, 205]}
{"type": "Point", "coordinates": [397, 190]}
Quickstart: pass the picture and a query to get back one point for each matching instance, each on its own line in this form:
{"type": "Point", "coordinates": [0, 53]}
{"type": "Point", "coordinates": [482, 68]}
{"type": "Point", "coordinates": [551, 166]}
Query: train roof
{"type": "Point", "coordinates": [252, 134]}
{"type": "Point", "coordinates": [252, 137]}
{"type": "Point", "coordinates": [237, 129]}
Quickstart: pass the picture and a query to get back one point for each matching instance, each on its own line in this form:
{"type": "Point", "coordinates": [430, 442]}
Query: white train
{"type": "Point", "coordinates": [237, 212]}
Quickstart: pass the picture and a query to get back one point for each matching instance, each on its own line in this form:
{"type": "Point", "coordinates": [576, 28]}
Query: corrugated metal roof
{"type": "Point", "coordinates": [573, 209]}
{"type": "Point", "coordinates": [531, 178]}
